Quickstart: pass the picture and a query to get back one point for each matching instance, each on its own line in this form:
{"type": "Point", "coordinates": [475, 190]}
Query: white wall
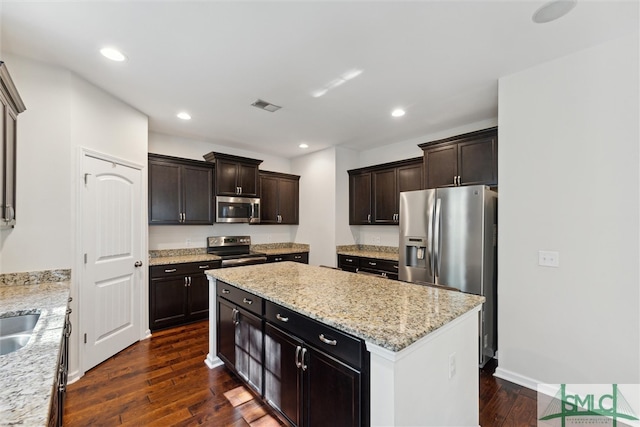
{"type": "Point", "coordinates": [182, 236]}
{"type": "Point", "coordinates": [63, 113]}
{"type": "Point", "coordinates": [568, 182]}
{"type": "Point", "coordinates": [345, 234]}
{"type": "Point", "coordinates": [317, 204]}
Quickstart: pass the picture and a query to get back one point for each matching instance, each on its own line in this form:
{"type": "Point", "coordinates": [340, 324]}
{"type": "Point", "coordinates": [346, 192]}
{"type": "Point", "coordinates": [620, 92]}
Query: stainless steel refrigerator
{"type": "Point", "coordinates": [448, 237]}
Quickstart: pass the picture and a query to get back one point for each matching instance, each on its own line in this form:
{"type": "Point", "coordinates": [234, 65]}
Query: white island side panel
{"type": "Point", "coordinates": [412, 387]}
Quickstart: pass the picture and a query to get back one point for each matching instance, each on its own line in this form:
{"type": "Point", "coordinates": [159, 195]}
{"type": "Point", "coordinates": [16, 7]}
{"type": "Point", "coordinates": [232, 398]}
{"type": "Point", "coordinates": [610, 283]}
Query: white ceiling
{"type": "Point", "coordinates": [440, 60]}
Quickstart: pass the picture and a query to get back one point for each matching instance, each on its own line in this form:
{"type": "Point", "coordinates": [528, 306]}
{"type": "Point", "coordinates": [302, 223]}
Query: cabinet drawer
{"type": "Point", "coordinates": [348, 260]}
{"type": "Point", "coordinates": [302, 257]}
{"type": "Point", "coordinates": [246, 300]}
{"type": "Point", "coordinates": [323, 337]}
{"type": "Point", "coordinates": [184, 269]}
{"type": "Point", "coordinates": [379, 264]}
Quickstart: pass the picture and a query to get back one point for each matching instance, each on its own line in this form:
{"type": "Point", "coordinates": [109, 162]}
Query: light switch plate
{"type": "Point", "coordinates": [549, 258]}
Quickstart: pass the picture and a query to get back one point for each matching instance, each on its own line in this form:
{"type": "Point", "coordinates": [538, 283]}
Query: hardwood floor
{"type": "Point", "coordinates": [163, 381]}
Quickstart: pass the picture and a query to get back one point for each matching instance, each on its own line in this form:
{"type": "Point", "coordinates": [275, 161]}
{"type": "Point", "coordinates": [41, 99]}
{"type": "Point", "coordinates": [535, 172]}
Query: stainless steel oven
{"type": "Point", "coordinates": [237, 209]}
{"type": "Point", "coordinates": [234, 251]}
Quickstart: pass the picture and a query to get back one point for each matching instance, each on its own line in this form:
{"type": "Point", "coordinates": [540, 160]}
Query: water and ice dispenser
{"type": "Point", "coordinates": [416, 253]}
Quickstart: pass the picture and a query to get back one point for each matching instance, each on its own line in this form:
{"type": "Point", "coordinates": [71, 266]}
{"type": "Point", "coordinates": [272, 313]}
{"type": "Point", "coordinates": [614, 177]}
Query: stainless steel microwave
{"type": "Point", "coordinates": [237, 209]}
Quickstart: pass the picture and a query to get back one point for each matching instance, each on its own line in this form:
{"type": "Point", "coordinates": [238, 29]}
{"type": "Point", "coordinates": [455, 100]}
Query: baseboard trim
{"type": "Point", "coordinates": [516, 378]}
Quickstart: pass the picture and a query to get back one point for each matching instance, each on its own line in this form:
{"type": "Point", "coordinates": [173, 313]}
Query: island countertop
{"type": "Point", "coordinates": [385, 312]}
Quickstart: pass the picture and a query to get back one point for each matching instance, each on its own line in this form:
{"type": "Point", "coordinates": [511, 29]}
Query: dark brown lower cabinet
{"type": "Point", "coordinates": [314, 375]}
{"type": "Point", "coordinates": [178, 294]}
{"type": "Point", "coordinates": [301, 257]}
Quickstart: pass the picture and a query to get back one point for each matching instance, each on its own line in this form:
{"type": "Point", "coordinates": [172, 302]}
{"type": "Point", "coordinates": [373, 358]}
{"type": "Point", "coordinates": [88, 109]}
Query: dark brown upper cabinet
{"type": "Point", "coordinates": [235, 175]}
{"type": "Point", "coordinates": [468, 159]}
{"type": "Point", "coordinates": [180, 191]}
{"type": "Point", "coordinates": [10, 106]}
{"type": "Point", "coordinates": [279, 198]}
{"type": "Point", "coordinates": [374, 191]}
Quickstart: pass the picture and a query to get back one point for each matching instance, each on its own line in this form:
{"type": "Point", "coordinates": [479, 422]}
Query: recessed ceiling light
{"type": "Point", "coordinates": [553, 10]}
{"type": "Point", "coordinates": [113, 54]}
{"type": "Point", "coordinates": [398, 112]}
{"type": "Point", "coordinates": [184, 115]}
{"type": "Point", "coordinates": [303, 145]}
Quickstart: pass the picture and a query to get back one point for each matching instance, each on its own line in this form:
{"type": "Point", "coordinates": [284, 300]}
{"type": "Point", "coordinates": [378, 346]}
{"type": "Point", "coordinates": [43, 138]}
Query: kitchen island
{"type": "Point", "coordinates": [422, 342]}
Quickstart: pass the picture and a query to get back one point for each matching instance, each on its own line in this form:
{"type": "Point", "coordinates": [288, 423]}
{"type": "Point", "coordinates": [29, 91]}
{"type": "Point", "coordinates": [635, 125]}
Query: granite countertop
{"type": "Point", "coordinates": [385, 312]}
{"type": "Point", "coordinates": [185, 255]}
{"type": "Point", "coordinates": [29, 373]}
{"type": "Point", "coordinates": [280, 248]}
{"type": "Point", "coordinates": [369, 251]}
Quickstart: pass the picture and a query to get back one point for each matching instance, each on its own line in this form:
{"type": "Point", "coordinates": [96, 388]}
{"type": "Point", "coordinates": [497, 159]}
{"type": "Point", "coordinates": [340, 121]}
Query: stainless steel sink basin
{"type": "Point", "coordinates": [15, 331]}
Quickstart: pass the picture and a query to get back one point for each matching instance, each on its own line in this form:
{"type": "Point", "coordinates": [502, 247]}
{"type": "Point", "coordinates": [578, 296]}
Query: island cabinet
{"type": "Point", "coordinates": [10, 106]}
{"type": "Point", "coordinates": [314, 374]}
{"type": "Point", "coordinates": [374, 191]}
{"type": "Point", "coordinates": [240, 333]}
{"type": "Point", "coordinates": [279, 198]}
{"type": "Point", "coordinates": [178, 293]}
{"type": "Point", "coordinates": [467, 159]}
{"type": "Point", "coordinates": [235, 175]}
{"type": "Point", "coordinates": [180, 191]}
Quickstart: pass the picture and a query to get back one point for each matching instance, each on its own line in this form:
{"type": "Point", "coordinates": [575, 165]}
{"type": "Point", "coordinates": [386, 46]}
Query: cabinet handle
{"type": "Point", "coordinates": [348, 259]}
{"type": "Point", "coordinates": [369, 218]}
{"type": "Point", "coordinates": [226, 291]}
{"type": "Point", "coordinates": [304, 351]}
{"type": "Point", "coordinates": [298, 364]}
{"type": "Point", "coordinates": [395, 266]}
{"type": "Point", "coordinates": [278, 259]}
{"type": "Point", "coordinates": [234, 317]}
{"type": "Point", "coordinates": [383, 274]}
{"type": "Point", "coordinates": [282, 319]}
{"type": "Point", "coordinates": [247, 301]}
{"type": "Point", "coordinates": [297, 257]}
{"type": "Point", "coordinates": [373, 263]}
{"type": "Point", "coordinates": [327, 341]}
{"type": "Point", "coordinates": [171, 270]}
{"type": "Point", "coordinates": [203, 267]}
{"type": "Point", "coordinates": [189, 281]}
{"type": "Point", "coordinates": [185, 282]}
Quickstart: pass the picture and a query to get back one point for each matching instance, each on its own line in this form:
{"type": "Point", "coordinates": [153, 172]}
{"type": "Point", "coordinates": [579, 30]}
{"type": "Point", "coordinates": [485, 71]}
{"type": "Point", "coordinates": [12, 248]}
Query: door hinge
{"type": "Point", "coordinates": [85, 258]}
{"type": "Point", "coordinates": [85, 338]}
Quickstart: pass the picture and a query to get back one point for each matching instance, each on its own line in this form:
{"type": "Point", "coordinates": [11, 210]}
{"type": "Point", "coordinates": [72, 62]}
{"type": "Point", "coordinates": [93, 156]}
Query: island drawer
{"type": "Point", "coordinates": [379, 264]}
{"type": "Point", "coordinates": [244, 299]}
{"type": "Point", "coordinates": [323, 337]}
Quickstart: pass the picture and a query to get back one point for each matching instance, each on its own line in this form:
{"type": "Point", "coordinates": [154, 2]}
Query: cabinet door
{"type": "Point", "coordinates": [360, 199]}
{"type": "Point", "coordinates": [198, 297]}
{"type": "Point", "coordinates": [198, 195]}
{"type": "Point", "coordinates": [333, 391]}
{"type": "Point", "coordinates": [226, 332]}
{"type": "Point", "coordinates": [441, 166]}
{"type": "Point", "coordinates": [385, 196]}
{"type": "Point", "coordinates": [268, 200]}
{"type": "Point", "coordinates": [478, 161]}
{"type": "Point", "coordinates": [9, 193]}
{"type": "Point", "coordinates": [168, 302]}
{"type": "Point", "coordinates": [226, 178]}
{"type": "Point", "coordinates": [248, 179]}
{"type": "Point", "coordinates": [248, 349]}
{"type": "Point", "coordinates": [164, 193]}
{"type": "Point", "coordinates": [282, 377]}
{"type": "Point", "coordinates": [288, 201]}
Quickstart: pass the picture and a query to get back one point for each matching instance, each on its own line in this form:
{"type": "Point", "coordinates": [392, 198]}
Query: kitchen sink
{"type": "Point", "coordinates": [15, 332]}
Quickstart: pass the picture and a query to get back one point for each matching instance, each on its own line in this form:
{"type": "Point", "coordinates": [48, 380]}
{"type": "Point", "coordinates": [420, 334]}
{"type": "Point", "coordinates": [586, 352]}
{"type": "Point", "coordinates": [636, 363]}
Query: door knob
{"type": "Point", "coordinates": [138, 264]}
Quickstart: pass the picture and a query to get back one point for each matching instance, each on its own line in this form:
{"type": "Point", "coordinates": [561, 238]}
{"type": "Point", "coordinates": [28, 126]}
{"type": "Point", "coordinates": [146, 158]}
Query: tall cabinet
{"type": "Point", "coordinates": [11, 105]}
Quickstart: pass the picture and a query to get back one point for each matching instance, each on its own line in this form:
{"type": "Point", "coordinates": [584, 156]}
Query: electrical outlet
{"type": "Point", "coordinates": [549, 258]}
{"type": "Point", "coordinates": [452, 365]}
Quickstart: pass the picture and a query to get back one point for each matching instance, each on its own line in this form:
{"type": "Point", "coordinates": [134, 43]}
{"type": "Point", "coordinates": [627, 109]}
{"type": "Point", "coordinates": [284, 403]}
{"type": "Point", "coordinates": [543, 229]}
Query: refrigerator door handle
{"type": "Point", "coordinates": [429, 244]}
{"type": "Point", "coordinates": [437, 240]}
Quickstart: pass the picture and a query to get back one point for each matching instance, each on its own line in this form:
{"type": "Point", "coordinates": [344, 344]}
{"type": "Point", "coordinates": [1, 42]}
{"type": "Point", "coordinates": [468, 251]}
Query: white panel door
{"type": "Point", "coordinates": [110, 288]}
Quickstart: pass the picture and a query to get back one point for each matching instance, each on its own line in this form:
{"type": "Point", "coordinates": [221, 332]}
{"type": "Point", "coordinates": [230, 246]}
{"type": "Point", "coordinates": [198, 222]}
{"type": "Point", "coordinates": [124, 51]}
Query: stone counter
{"type": "Point", "coordinates": [280, 248]}
{"type": "Point", "coordinates": [388, 313]}
{"type": "Point", "coordinates": [369, 251]}
{"type": "Point", "coordinates": [29, 373]}
{"type": "Point", "coordinates": [180, 256]}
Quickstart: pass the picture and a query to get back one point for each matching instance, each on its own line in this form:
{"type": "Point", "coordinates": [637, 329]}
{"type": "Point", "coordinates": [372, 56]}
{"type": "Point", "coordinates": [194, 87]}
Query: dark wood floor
{"type": "Point", "coordinates": [163, 381]}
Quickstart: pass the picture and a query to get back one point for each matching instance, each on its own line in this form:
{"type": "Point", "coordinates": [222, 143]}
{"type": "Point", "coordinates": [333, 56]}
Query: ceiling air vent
{"type": "Point", "coordinates": [265, 105]}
